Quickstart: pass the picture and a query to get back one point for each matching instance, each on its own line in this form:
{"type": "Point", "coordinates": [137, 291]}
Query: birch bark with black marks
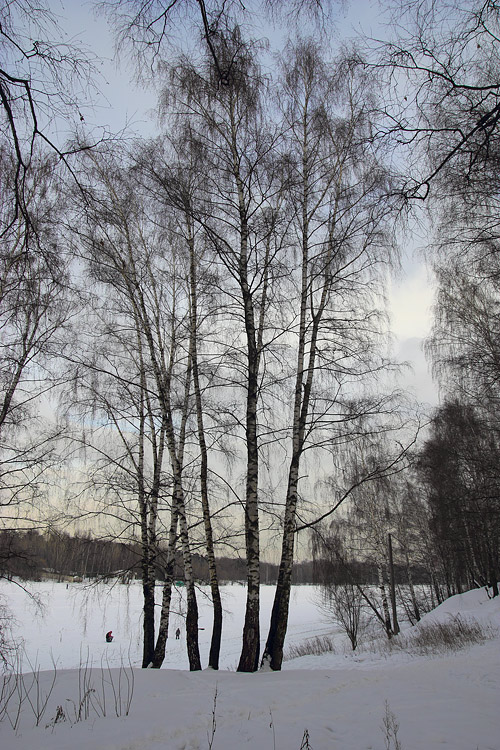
{"type": "Point", "coordinates": [168, 571]}
{"type": "Point", "coordinates": [228, 127]}
{"type": "Point", "coordinates": [251, 631]}
{"type": "Point", "coordinates": [331, 260]}
{"type": "Point", "coordinates": [136, 273]}
{"type": "Point", "coordinates": [176, 446]}
{"type": "Point", "coordinates": [215, 643]}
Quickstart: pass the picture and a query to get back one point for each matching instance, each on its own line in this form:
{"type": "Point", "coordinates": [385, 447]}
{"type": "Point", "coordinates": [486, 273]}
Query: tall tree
{"type": "Point", "coordinates": [174, 177]}
{"type": "Point", "coordinates": [459, 465]}
{"type": "Point", "coordinates": [228, 125]}
{"type": "Point", "coordinates": [122, 441]}
{"type": "Point", "coordinates": [127, 256]}
{"type": "Point", "coordinates": [36, 306]}
{"type": "Point", "coordinates": [339, 210]}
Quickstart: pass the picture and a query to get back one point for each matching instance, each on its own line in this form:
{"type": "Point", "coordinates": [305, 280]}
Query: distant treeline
{"type": "Point", "coordinates": [31, 555]}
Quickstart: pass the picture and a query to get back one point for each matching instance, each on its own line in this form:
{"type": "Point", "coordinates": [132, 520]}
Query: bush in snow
{"type": "Point", "coordinates": [437, 637]}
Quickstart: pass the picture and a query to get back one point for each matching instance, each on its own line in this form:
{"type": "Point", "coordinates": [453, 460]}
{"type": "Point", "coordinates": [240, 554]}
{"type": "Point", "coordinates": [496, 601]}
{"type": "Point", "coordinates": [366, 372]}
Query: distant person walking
{"type": "Point", "coordinates": [177, 634]}
{"type": "Point", "coordinates": [109, 636]}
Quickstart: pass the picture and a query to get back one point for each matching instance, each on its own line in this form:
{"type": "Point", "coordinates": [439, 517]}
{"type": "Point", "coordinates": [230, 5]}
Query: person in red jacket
{"type": "Point", "coordinates": [109, 636]}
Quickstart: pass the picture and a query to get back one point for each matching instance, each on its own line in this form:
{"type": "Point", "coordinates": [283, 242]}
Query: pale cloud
{"type": "Point", "coordinates": [410, 304]}
{"type": "Point", "coordinates": [410, 300]}
{"type": "Point", "coordinates": [416, 379]}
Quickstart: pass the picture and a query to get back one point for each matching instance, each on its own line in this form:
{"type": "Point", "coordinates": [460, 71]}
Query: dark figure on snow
{"type": "Point", "coordinates": [109, 636]}
{"type": "Point", "coordinates": [177, 634]}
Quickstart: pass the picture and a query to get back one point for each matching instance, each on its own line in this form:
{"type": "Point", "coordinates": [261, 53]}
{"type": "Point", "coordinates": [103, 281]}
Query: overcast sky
{"type": "Point", "coordinates": [125, 105]}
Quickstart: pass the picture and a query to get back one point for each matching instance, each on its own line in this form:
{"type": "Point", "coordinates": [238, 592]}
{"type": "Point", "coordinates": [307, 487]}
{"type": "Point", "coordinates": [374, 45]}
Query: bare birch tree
{"type": "Point", "coordinates": [117, 240]}
{"type": "Point", "coordinates": [121, 441]}
{"type": "Point", "coordinates": [36, 306]}
{"type": "Point", "coordinates": [340, 213]}
{"type": "Point", "coordinates": [151, 27]}
{"type": "Point", "coordinates": [175, 180]}
{"type": "Point", "coordinates": [228, 126]}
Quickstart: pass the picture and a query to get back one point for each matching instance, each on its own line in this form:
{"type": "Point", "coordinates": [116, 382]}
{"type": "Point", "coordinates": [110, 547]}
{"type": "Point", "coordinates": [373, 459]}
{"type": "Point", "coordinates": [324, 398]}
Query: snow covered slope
{"type": "Point", "coordinates": [443, 702]}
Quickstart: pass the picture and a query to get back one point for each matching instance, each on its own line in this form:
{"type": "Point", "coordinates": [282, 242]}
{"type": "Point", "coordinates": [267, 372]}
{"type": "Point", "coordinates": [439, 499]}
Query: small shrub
{"type": "Point", "coordinates": [452, 635]}
{"type": "Point", "coordinates": [390, 727]}
{"type": "Point", "coordinates": [59, 717]}
{"type": "Point", "coordinates": [345, 603]}
{"type": "Point", "coordinates": [305, 741]}
{"type": "Point", "coordinates": [435, 637]}
{"type": "Point", "coordinates": [312, 646]}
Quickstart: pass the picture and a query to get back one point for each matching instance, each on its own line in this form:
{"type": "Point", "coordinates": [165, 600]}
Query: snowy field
{"type": "Point", "coordinates": [70, 624]}
{"type": "Point", "coordinates": [367, 701]}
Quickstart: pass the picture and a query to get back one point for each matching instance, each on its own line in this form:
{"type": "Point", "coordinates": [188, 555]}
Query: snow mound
{"type": "Point", "coordinates": [476, 604]}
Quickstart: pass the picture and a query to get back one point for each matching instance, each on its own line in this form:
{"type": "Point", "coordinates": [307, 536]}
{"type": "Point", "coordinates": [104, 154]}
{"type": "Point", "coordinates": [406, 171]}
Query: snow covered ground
{"type": "Point", "coordinates": [72, 622]}
{"type": "Point", "coordinates": [446, 702]}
